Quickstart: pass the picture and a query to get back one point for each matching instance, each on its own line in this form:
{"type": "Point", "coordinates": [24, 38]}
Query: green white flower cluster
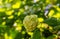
{"type": "Point", "coordinates": [30, 22]}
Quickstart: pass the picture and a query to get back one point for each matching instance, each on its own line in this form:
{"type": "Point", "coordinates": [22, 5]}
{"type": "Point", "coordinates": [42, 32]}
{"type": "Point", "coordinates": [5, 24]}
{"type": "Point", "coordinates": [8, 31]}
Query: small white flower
{"type": "Point", "coordinates": [49, 6]}
{"type": "Point", "coordinates": [58, 4]}
{"type": "Point", "coordinates": [1, 6]}
{"type": "Point", "coordinates": [58, 33]}
{"type": "Point", "coordinates": [35, 1]}
{"type": "Point", "coordinates": [14, 24]}
{"type": "Point", "coordinates": [8, 5]}
{"type": "Point", "coordinates": [26, 7]}
{"type": "Point", "coordinates": [46, 12]}
{"type": "Point", "coordinates": [4, 17]}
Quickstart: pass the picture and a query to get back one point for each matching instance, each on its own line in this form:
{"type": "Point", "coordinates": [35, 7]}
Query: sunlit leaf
{"type": "Point", "coordinates": [9, 12]}
{"type": "Point", "coordinates": [16, 5]}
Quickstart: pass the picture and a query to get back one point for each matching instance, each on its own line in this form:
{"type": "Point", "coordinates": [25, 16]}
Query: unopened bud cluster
{"type": "Point", "coordinates": [30, 22]}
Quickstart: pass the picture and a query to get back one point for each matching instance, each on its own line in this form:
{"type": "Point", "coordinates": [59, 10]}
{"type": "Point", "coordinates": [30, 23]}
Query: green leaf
{"type": "Point", "coordinates": [2, 26]}
{"type": "Point", "coordinates": [51, 37]}
{"type": "Point", "coordinates": [37, 35]}
{"type": "Point", "coordinates": [18, 36]}
{"type": "Point", "coordinates": [51, 21]}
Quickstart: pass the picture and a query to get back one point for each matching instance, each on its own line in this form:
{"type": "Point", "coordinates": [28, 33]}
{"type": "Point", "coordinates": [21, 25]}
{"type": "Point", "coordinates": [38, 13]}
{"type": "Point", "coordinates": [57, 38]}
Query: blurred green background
{"type": "Point", "coordinates": [13, 12]}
